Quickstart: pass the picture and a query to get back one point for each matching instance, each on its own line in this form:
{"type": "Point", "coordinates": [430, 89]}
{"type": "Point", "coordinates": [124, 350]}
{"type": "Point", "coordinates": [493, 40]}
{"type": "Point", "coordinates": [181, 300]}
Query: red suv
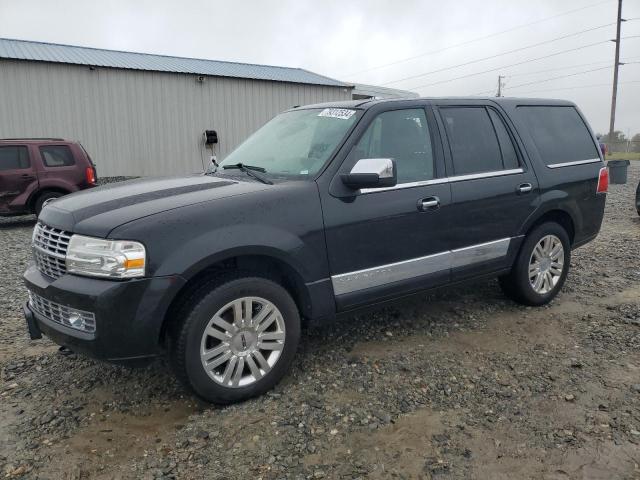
{"type": "Point", "coordinates": [34, 170]}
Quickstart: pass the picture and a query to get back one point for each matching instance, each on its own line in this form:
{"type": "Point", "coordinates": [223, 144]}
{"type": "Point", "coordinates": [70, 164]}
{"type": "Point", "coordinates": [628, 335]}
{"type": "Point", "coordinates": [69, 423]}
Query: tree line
{"type": "Point", "coordinates": [619, 142]}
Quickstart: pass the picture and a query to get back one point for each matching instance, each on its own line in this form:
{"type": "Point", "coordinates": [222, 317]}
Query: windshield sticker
{"type": "Point", "coordinates": [341, 113]}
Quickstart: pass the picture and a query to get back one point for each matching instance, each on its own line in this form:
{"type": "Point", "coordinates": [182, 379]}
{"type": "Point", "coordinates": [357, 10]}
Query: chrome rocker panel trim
{"type": "Point", "coordinates": [393, 272]}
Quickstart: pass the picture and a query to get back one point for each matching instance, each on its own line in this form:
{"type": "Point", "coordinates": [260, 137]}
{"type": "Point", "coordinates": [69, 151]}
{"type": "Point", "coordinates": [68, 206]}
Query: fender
{"type": "Point", "coordinates": [231, 241]}
{"type": "Point", "coordinates": [52, 184]}
{"type": "Point", "coordinates": [57, 184]}
{"type": "Point", "coordinates": [557, 200]}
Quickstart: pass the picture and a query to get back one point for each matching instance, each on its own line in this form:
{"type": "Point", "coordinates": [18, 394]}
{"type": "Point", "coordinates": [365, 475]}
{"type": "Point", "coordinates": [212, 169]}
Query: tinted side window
{"type": "Point", "coordinates": [473, 141]}
{"type": "Point", "coordinates": [404, 136]}
{"type": "Point", "coordinates": [57, 156]}
{"type": "Point", "coordinates": [14, 158]}
{"type": "Point", "coordinates": [509, 155]}
{"type": "Point", "coordinates": [559, 134]}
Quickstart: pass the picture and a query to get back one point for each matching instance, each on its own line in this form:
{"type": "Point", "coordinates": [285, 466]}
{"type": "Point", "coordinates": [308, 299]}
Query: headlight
{"type": "Point", "coordinates": [95, 257]}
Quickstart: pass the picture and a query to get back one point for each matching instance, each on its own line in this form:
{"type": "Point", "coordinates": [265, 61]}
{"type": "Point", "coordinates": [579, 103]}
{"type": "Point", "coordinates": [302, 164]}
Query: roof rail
{"type": "Point", "coordinates": [52, 139]}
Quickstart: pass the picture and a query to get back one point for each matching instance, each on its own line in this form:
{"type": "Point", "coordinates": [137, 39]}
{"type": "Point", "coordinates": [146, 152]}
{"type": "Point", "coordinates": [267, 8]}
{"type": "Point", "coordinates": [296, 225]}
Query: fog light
{"type": "Point", "coordinates": [76, 321]}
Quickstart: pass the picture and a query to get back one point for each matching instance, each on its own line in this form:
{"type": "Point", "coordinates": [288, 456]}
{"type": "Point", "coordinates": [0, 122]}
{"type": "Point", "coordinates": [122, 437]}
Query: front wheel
{"type": "Point", "coordinates": [541, 267]}
{"type": "Point", "coordinates": [236, 340]}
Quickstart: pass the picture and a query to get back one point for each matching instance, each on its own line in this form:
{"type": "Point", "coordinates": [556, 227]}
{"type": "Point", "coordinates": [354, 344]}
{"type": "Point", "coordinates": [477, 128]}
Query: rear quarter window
{"type": "Point", "coordinates": [559, 134]}
{"type": "Point", "coordinates": [57, 156]}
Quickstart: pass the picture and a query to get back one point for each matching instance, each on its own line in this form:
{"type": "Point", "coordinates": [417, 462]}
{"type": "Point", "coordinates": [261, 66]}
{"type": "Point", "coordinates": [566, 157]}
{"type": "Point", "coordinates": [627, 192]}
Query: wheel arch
{"type": "Point", "coordinates": [558, 215]}
{"type": "Point", "coordinates": [31, 203]}
{"type": "Point", "coordinates": [266, 264]}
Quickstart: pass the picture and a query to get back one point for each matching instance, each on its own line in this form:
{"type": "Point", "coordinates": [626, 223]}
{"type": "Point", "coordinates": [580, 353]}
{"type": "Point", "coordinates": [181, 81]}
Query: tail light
{"type": "Point", "coordinates": [91, 175]}
{"type": "Point", "coordinates": [603, 180]}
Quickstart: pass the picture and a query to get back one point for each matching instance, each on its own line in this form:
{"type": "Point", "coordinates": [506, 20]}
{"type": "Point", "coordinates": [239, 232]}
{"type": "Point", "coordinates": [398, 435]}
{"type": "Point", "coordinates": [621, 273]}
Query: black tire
{"type": "Point", "coordinates": [517, 285]}
{"type": "Point", "coordinates": [193, 318]}
{"type": "Point", "coordinates": [42, 198]}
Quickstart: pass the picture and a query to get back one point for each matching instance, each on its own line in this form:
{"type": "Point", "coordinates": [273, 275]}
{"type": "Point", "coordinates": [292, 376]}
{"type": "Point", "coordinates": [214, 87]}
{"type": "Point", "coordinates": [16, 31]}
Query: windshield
{"type": "Point", "coordinates": [295, 143]}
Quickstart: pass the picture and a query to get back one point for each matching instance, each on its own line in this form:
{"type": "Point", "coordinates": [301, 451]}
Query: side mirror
{"type": "Point", "coordinates": [371, 173]}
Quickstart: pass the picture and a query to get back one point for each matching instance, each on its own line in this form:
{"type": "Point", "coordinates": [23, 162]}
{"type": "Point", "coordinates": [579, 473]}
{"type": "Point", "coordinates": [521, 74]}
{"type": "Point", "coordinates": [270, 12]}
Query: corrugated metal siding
{"type": "Point", "coordinates": [142, 123]}
{"type": "Point", "coordinates": [52, 52]}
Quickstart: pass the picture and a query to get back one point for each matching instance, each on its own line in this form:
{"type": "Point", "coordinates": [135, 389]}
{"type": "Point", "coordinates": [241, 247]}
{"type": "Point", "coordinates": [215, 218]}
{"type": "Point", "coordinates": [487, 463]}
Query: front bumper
{"type": "Point", "coordinates": [128, 314]}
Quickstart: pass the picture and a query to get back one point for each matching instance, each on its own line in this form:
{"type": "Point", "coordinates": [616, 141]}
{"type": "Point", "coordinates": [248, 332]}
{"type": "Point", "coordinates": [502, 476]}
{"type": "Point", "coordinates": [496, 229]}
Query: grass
{"type": "Point", "coordinates": [623, 156]}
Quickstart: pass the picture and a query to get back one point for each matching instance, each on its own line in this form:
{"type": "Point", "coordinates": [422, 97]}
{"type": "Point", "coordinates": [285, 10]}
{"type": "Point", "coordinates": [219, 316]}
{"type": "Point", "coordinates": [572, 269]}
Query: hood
{"type": "Point", "coordinates": [99, 210]}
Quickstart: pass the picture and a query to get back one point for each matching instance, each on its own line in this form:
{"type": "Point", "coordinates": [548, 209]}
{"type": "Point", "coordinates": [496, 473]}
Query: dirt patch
{"type": "Point", "coordinates": [112, 439]}
{"type": "Point", "coordinates": [402, 449]}
{"type": "Point", "coordinates": [506, 332]}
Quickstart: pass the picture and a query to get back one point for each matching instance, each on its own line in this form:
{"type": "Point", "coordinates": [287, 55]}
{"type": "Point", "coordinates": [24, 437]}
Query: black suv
{"type": "Point", "coordinates": [325, 209]}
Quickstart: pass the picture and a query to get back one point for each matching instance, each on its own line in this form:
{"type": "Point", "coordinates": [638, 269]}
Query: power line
{"type": "Point", "coordinates": [559, 76]}
{"type": "Point", "coordinates": [501, 54]}
{"type": "Point", "coordinates": [555, 78]}
{"type": "Point", "coordinates": [572, 87]}
{"type": "Point", "coordinates": [477, 39]}
{"type": "Point", "coordinates": [512, 65]}
{"type": "Point", "coordinates": [568, 67]}
{"type": "Point", "coordinates": [552, 78]}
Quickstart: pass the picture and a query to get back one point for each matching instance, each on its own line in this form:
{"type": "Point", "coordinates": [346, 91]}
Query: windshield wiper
{"type": "Point", "coordinates": [250, 170]}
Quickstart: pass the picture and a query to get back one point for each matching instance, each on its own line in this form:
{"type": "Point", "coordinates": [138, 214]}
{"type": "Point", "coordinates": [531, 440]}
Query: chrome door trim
{"type": "Point", "coordinates": [474, 176]}
{"type": "Point", "coordinates": [437, 181]}
{"type": "Point", "coordinates": [415, 267]}
{"type": "Point", "coordinates": [571, 164]}
{"type": "Point", "coordinates": [399, 186]}
{"type": "Point", "coordinates": [392, 272]}
{"type": "Point", "coordinates": [479, 253]}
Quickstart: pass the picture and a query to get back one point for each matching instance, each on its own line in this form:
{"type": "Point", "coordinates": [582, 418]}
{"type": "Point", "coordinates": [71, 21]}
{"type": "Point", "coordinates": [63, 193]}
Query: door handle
{"type": "Point", "coordinates": [429, 203]}
{"type": "Point", "coordinates": [26, 175]}
{"type": "Point", "coordinates": [524, 188]}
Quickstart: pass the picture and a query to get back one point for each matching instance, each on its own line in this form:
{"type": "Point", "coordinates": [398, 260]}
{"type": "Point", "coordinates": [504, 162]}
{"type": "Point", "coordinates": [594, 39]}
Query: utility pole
{"type": "Point", "coordinates": [500, 85]}
{"type": "Point", "coordinates": [615, 74]}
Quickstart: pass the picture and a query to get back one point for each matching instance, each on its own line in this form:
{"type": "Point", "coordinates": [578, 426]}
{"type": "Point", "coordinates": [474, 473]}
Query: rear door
{"type": "Point", "coordinates": [493, 189]}
{"type": "Point", "coordinates": [18, 178]}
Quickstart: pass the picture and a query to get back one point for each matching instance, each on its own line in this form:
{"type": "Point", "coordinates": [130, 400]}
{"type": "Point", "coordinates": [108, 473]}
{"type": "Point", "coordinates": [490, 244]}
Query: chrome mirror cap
{"type": "Point", "coordinates": [371, 173]}
{"type": "Point", "coordinates": [383, 167]}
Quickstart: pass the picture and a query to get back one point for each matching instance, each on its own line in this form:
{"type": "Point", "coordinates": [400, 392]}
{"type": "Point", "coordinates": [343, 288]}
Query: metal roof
{"type": "Point", "coordinates": [70, 54]}
{"type": "Point", "coordinates": [374, 91]}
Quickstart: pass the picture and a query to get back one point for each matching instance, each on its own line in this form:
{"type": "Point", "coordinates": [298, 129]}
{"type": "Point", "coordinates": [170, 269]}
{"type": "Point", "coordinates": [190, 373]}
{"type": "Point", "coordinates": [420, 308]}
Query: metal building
{"type": "Point", "coordinates": [141, 114]}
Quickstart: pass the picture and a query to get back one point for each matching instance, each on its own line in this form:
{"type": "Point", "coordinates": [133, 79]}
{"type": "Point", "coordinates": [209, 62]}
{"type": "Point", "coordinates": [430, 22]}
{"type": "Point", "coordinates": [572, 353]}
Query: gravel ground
{"type": "Point", "coordinates": [459, 383]}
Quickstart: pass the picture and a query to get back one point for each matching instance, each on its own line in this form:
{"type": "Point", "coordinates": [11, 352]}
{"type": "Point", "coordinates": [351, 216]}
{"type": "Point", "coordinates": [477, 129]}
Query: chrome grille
{"type": "Point", "coordinates": [67, 316]}
{"type": "Point", "coordinates": [50, 249]}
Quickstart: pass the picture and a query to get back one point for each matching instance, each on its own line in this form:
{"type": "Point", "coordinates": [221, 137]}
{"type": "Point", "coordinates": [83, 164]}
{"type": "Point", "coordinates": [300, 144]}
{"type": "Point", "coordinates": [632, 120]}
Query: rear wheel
{"type": "Point", "coordinates": [43, 198]}
{"type": "Point", "coordinates": [541, 267]}
{"type": "Point", "coordinates": [236, 339]}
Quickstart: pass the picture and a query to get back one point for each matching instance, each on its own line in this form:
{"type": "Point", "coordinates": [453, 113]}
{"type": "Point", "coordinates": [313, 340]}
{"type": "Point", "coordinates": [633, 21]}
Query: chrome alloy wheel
{"type": "Point", "coordinates": [546, 264]}
{"type": "Point", "coordinates": [242, 342]}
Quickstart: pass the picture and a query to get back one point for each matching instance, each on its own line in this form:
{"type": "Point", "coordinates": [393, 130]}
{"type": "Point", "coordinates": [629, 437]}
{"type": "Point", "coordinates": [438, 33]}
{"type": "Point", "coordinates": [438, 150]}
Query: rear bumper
{"type": "Point", "coordinates": [128, 314]}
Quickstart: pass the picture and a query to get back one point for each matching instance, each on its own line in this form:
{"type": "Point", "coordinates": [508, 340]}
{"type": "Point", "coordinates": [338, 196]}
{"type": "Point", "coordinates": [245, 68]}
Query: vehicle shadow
{"type": "Point", "coordinates": [416, 314]}
{"type": "Point", "coordinates": [17, 222]}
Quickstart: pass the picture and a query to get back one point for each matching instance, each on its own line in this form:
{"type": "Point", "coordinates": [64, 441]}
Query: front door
{"type": "Point", "coordinates": [386, 241]}
{"type": "Point", "coordinates": [493, 189]}
{"type": "Point", "coordinates": [18, 178]}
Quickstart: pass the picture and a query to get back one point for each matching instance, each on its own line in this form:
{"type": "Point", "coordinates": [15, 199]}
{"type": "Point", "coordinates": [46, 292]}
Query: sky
{"type": "Point", "coordinates": [370, 42]}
